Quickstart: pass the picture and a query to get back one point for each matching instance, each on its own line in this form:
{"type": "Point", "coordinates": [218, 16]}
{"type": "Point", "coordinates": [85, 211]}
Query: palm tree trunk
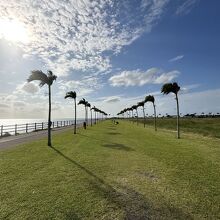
{"type": "Point", "coordinates": [144, 115]}
{"type": "Point", "coordinates": [94, 117]}
{"type": "Point", "coordinates": [155, 118]}
{"type": "Point", "coordinates": [49, 119]}
{"type": "Point", "coordinates": [132, 116]}
{"type": "Point", "coordinates": [91, 115]}
{"type": "Point", "coordinates": [75, 118]}
{"type": "Point", "coordinates": [178, 115]}
{"type": "Point", "coordinates": [85, 115]}
{"type": "Point", "coordinates": [137, 116]}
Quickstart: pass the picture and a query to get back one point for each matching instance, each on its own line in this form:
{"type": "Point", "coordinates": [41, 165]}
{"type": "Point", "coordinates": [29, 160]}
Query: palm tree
{"type": "Point", "coordinates": [142, 105]}
{"type": "Point", "coordinates": [83, 102]}
{"type": "Point", "coordinates": [93, 108]}
{"type": "Point", "coordinates": [135, 107]}
{"type": "Point", "coordinates": [89, 106]}
{"type": "Point", "coordinates": [173, 88]}
{"type": "Point", "coordinates": [130, 110]}
{"type": "Point", "coordinates": [45, 79]}
{"type": "Point", "coordinates": [86, 106]}
{"type": "Point", "coordinates": [72, 95]}
{"type": "Point", "coordinates": [150, 98]}
{"type": "Point", "coordinates": [132, 113]}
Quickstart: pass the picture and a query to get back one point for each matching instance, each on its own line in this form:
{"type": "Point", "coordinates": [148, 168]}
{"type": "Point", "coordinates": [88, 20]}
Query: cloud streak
{"type": "Point", "coordinates": [179, 57]}
{"type": "Point", "coordinates": [186, 7]}
{"type": "Point", "coordinates": [140, 78]}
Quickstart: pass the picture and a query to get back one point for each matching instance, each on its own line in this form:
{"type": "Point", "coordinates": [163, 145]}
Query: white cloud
{"type": "Point", "coordinates": [3, 105]}
{"type": "Point", "coordinates": [179, 57]}
{"type": "Point", "coordinates": [112, 99]}
{"type": "Point", "coordinates": [187, 88]}
{"type": "Point", "coordinates": [166, 77]}
{"type": "Point", "coordinates": [186, 7]}
{"type": "Point", "coordinates": [29, 88]}
{"type": "Point", "coordinates": [82, 87]}
{"type": "Point", "coordinates": [140, 78]}
{"type": "Point", "coordinates": [9, 98]}
{"type": "Point", "coordinates": [76, 34]}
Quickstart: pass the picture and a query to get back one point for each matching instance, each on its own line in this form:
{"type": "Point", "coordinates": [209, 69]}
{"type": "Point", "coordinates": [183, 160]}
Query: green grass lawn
{"type": "Point", "coordinates": [205, 126]}
{"type": "Point", "coordinates": [112, 172]}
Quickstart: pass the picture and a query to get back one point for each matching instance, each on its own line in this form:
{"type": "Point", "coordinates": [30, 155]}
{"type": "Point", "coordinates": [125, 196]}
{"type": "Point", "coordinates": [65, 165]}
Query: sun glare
{"type": "Point", "coordinates": [13, 30]}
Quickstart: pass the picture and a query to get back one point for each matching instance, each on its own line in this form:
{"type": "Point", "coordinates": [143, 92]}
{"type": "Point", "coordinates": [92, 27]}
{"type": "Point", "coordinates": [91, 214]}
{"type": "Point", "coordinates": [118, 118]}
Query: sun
{"type": "Point", "coordinates": [13, 30]}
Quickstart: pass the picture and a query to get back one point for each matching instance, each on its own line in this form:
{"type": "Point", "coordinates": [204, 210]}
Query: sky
{"type": "Point", "coordinates": [112, 53]}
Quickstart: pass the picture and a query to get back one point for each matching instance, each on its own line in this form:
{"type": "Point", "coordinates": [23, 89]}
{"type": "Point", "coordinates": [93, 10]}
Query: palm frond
{"type": "Point", "coordinates": [176, 87]}
{"type": "Point", "coordinates": [134, 107]}
{"type": "Point", "coordinates": [38, 75]}
{"type": "Point", "coordinates": [149, 98]}
{"type": "Point", "coordinates": [82, 102]}
{"type": "Point", "coordinates": [141, 103]}
{"type": "Point", "coordinates": [70, 94]}
{"type": "Point", "coordinates": [170, 87]}
{"type": "Point", "coordinates": [51, 77]}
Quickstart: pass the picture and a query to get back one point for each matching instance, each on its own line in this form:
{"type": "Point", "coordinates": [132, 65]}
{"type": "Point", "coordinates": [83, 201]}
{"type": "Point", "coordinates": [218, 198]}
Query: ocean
{"type": "Point", "coordinates": [25, 121]}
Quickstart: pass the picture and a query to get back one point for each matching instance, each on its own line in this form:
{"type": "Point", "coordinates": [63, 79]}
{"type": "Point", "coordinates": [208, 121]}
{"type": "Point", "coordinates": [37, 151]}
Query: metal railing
{"type": "Point", "coordinates": [8, 130]}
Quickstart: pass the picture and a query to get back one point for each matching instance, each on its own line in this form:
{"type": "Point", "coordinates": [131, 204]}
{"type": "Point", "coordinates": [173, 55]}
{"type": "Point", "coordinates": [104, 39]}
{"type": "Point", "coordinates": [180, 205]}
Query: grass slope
{"type": "Point", "coordinates": [112, 172]}
{"type": "Point", "coordinates": [205, 126]}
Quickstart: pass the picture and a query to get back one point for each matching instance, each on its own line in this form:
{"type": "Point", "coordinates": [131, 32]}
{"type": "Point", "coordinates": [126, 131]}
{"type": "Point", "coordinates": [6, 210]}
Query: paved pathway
{"type": "Point", "coordinates": [12, 141]}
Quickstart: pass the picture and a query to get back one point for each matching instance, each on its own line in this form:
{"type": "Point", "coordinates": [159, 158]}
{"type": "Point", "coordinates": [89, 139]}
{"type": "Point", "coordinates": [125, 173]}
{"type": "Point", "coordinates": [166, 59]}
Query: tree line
{"type": "Point", "coordinates": [166, 89]}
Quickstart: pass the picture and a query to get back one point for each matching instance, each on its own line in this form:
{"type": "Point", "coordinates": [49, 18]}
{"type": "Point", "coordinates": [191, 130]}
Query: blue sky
{"type": "Point", "coordinates": [113, 53]}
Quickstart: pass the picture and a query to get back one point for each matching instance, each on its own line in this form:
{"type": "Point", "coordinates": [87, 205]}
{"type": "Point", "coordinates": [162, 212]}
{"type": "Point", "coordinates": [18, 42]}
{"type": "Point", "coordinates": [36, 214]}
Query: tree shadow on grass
{"type": "Point", "coordinates": [132, 210]}
{"type": "Point", "coordinates": [110, 144]}
{"type": "Point", "coordinates": [113, 133]}
{"type": "Point", "coordinates": [133, 204]}
{"type": "Point", "coordinates": [117, 146]}
{"type": "Point", "coordinates": [92, 138]}
{"type": "Point", "coordinates": [71, 215]}
{"type": "Point", "coordinates": [78, 165]}
{"type": "Point", "coordinates": [112, 128]}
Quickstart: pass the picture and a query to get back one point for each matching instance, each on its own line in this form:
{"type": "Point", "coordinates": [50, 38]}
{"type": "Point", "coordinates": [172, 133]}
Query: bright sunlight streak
{"type": "Point", "coordinates": [13, 30]}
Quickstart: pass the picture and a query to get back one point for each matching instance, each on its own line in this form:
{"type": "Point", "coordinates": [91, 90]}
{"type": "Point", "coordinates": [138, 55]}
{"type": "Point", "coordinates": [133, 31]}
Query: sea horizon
{"type": "Point", "coordinates": [13, 121]}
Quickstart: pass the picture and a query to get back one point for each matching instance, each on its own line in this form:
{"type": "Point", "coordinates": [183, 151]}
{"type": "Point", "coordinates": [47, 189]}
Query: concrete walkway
{"type": "Point", "coordinates": [13, 141]}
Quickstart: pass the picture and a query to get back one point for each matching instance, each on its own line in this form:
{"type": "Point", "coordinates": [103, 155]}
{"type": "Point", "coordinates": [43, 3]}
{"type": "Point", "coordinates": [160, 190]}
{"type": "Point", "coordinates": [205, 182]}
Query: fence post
{"type": "Point", "coordinates": [15, 129]}
{"type": "Point", "coordinates": [61, 124]}
{"type": "Point", "coordinates": [57, 124]}
{"type": "Point", "coordinates": [42, 126]}
{"type": "Point", "coordinates": [27, 128]}
{"type": "Point", "coordinates": [64, 123]}
{"type": "Point", "coordinates": [1, 130]}
{"type": "Point", "coordinates": [53, 124]}
{"type": "Point", "coordinates": [35, 126]}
